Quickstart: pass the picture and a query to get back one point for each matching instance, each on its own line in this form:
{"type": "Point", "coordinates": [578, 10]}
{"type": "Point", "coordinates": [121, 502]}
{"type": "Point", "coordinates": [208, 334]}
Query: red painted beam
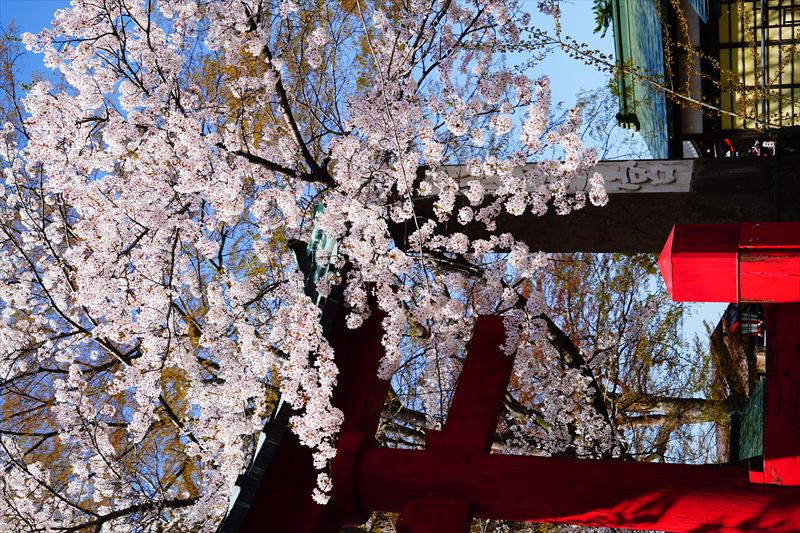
{"type": "Point", "coordinates": [699, 263]}
{"type": "Point", "coordinates": [769, 275]}
{"type": "Point", "coordinates": [623, 494]}
{"type": "Point", "coordinates": [478, 399]}
{"type": "Point", "coordinates": [748, 262]}
{"type": "Point", "coordinates": [434, 516]}
{"type": "Point", "coordinates": [782, 398]}
{"type": "Point", "coordinates": [470, 427]}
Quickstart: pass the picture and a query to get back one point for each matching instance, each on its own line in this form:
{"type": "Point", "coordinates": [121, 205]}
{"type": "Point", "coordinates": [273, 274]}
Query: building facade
{"type": "Point", "coordinates": [709, 78]}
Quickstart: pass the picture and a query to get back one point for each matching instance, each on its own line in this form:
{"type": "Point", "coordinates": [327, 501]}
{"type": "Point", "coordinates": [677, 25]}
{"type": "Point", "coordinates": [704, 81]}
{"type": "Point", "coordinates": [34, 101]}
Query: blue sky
{"type": "Point", "coordinates": [30, 16]}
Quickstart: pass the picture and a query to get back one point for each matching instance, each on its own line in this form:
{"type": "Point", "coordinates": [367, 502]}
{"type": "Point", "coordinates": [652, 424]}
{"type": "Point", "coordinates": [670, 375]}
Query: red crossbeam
{"type": "Point", "coordinates": [747, 262]}
{"type": "Point", "coordinates": [624, 494]}
{"type": "Point", "coordinates": [470, 427]}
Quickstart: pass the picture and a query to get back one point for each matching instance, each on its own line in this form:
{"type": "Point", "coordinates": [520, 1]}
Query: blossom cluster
{"type": "Point", "coordinates": [149, 213]}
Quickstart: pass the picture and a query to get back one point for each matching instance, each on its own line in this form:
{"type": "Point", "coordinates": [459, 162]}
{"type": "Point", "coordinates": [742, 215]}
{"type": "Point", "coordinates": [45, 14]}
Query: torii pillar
{"type": "Point", "coordinates": [440, 489]}
{"type": "Point", "coordinates": [752, 263]}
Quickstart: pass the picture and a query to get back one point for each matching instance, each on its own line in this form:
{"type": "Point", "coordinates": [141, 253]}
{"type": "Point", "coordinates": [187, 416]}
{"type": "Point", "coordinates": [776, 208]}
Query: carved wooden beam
{"type": "Point", "coordinates": [647, 198]}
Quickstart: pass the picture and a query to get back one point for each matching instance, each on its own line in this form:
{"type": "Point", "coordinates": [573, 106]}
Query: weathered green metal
{"type": "Point", "coordinates": [639, 51]}
{"type": "Point", "coordinates": [315, 269]}
{"type": "Point", "coordinates": [751, 429]}
{"type": "Point", "coordinates": [701, 7]}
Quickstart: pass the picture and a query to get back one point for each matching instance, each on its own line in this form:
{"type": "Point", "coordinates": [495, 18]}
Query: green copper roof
{"type": "Point", "coordinates": [639, 49]}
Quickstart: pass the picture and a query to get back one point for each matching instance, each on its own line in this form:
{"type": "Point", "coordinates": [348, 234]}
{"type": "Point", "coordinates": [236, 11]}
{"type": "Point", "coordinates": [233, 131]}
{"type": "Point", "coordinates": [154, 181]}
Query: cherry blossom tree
{"type": "Point", "coordinates": [151, 309]}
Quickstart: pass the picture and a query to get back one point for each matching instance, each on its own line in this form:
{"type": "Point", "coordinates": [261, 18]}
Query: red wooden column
{"type": "Point", "coordinates": [470, 427]}
{"type": "Point", "coordinates": [752, 262]}
{"type": "Point", "coordinates": [284, 501]}
{"type": "Point", "coordinates": [747, 262]}
{"type": "Point", "coordinates": [782, 398]}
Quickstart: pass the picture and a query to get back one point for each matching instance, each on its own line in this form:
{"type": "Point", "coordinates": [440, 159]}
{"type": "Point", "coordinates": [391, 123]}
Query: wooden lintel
{"type": "Point", "coordinates": [622, 494]}
{"type": "Point", "coordinates": [645, 204]}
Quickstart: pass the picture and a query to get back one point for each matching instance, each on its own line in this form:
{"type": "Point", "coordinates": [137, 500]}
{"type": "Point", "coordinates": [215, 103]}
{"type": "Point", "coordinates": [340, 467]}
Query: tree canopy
{"type": "Point", "coordinates": [151, 308]}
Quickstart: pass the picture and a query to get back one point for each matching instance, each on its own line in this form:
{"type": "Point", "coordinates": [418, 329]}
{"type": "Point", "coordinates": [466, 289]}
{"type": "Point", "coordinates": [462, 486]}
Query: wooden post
{"type": "Point", "coordinates": [283, 501]}
{"type": "Point", "coordinates": [782, 397]}
{"type": "Point", "coordinates": [752, 262]}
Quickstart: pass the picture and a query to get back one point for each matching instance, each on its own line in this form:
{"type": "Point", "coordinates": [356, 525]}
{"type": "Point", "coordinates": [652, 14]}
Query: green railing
{"type": "Point", "coordinates": [751, 425]}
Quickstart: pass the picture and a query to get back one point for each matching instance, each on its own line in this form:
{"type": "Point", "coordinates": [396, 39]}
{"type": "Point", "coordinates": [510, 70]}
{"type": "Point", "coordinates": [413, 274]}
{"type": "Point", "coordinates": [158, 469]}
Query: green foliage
{"type": "Point", "coordinates": [602, 16]}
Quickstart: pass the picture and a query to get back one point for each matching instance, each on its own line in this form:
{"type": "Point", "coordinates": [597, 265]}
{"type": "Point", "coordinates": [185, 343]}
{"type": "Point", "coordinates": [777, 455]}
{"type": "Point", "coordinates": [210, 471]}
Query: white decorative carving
{"type": "Point", "coordinates": [645, 176]}
{"type": "Point", "coordinates": [637, 176]}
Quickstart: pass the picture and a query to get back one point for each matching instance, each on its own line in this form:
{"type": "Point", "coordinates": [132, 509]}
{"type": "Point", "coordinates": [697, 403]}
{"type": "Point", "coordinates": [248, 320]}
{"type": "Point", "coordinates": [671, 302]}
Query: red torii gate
{"type": "Point", "coordinates": [754, 263]}
{"type": "Point", "coordinates": [455, 478]}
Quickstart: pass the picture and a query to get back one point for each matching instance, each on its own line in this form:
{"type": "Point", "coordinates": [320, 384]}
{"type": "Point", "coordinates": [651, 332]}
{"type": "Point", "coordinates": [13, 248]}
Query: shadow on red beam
{"type": "Point", "coordinates": [624, 494]}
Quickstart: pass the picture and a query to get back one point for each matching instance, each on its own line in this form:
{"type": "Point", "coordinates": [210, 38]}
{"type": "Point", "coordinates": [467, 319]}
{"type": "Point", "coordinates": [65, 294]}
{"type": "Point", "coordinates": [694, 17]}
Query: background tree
{"type": "Point", "coordinates": [611, 377]}
{"type": "Point", "coordinates": [611, 374]}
